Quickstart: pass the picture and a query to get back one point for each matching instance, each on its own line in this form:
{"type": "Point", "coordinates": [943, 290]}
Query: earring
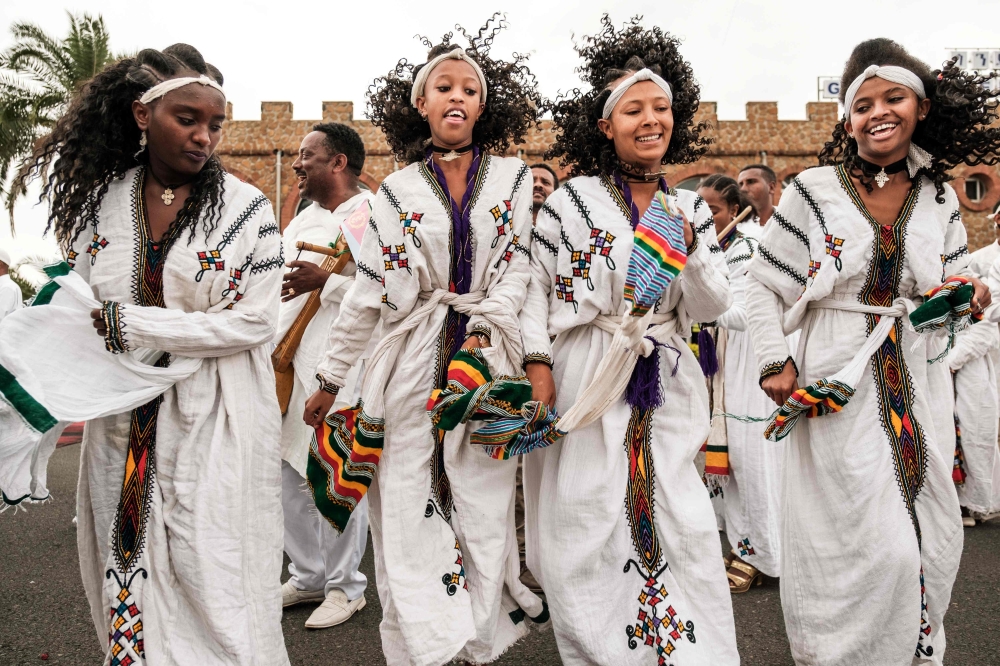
{"type": "Point", "coordinates": [142, 144]}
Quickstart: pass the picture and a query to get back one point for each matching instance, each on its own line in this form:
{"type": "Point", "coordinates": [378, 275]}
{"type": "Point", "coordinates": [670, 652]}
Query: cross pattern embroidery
{"type": "Point", "coordinates": [513, 246]}
{"type": "Point", "coordinates": [579, 261]}
{"type": "Point", "coordinates": [71, 258]}
{"type": "Point", "coordinates": [453, 580]}
{"type": "Point", "coordinates": [813, 268]}
{"type": "Point", "coordinates": [502, 215]}
{"type": "Point", "coordinates": [211, 260]}
{"type": "Point", "coordinates": [410, 222]}
{"type": "Point", "coordinates": [96, 245]}
{"type": "Point", "coordinates": [600, 244]}
{"type": "Point", "coordinates": [564, 290]}
{"type": "Point", "coordinates": [833, 248]}
{"type": "Point", "coordinates": [649, 624]}
{"type": "Point", "coordinates": [745, 547]}
{"type": "Point", "coordinates": [125, 637]}
{"type": "Point", "coordinates": [394, 257]}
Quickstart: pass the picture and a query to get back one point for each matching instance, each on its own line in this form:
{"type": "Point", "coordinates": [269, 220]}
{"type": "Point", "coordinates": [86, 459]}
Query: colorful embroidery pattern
{"type": "Point", "coordinates": [600, 240]}
{"type": "Point", "coordinates": [958, 473]}
{"type": "Point", "coordinates": [410, 222]}
{"type": "Point", "coordinates": [656, 627]}
{"type": "Point", "coordinates": [453, 580]}
{"type": "Point", "coordinates": [513, 245]}
{"type": "Point", "coordinates": [503, 216]}
{"type": "Point", "coordinates": [813, 269]}
{"type": "Point", "coordinates": [71, 256]}
{"type": "Point", "coordinates": [114, 339]}
{"type": "Point", "coordinates": [96, 245]}
{"type": "Point", "coordinates": [745, 547]}
{"type": "Point", "coordinates": [343, 457]}
{"type": "Point", "coordinates": [125, 637]}
{"type": "Point", "coordinates": [564, 291]}
{"type": "Point", "coordinates": [394, 257]}
{"type": "Point", "coordinates": [211, 260]}
{"type": "Point", "coordinates": [833, 248]}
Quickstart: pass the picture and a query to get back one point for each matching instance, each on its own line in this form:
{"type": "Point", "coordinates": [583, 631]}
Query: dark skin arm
{"type": "Point", "coordinates": [543, 387]}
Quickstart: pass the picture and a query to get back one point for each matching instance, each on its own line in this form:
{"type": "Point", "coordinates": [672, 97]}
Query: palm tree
{"type": "Point", "coordinates": [39, 75]}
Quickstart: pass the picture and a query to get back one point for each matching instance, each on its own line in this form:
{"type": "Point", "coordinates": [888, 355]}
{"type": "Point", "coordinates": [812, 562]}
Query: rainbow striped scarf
{"type": "Point", "coordinates": [949, 305]}
{"type": "Point", "coordinates": [659, 254]}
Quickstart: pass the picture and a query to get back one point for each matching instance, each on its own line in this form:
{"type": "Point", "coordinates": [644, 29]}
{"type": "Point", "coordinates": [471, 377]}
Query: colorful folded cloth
{"type": "Point", "coordinates": [534, 429]}
{"type": "Point", "coordinates": [949, 305]}
{"type": "Point", "coordinates": [659, 254]}
{"type": "Point", "coordinates": [472, 393]}
{"type": "Point", "coordinates": [817, 399]}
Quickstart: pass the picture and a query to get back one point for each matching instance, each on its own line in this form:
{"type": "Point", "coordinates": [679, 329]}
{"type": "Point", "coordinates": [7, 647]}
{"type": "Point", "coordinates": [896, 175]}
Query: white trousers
{"type": "Point", "coordinates": [321, 559]}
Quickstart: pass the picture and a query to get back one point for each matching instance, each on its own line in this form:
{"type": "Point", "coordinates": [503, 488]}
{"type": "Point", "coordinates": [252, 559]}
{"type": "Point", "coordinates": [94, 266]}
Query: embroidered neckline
{"type": "Point", "coordinates": [852, 192]}
{"type": "Point", "coordinates": [477, 185]}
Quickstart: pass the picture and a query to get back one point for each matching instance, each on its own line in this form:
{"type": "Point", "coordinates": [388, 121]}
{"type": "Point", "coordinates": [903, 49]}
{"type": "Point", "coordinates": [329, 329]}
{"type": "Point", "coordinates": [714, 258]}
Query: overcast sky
{"type": "Point", "coordinates": [310, 51]}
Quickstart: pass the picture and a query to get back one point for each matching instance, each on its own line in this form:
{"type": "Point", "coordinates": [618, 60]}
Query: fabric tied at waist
{"type": "Point", "coordinates": [346, 448]}
{"type": "Point", "coordinates": [945, 307]}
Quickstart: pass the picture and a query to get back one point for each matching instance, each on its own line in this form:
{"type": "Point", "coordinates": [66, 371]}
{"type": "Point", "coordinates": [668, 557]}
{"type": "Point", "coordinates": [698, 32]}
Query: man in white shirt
{"type": "Point", "coordinates": [10, 294]}
{"type": "Point", "coordinates": [324, 565]}
{"type": "Point", "coordinates": [758, 182]}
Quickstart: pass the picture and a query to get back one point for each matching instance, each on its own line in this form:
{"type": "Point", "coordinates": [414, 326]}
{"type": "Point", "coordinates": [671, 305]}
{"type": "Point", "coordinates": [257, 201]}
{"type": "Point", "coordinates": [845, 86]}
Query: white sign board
{"type": "Point", "coordinates": [829, 88]}
{"type": "Point", "coordinates": [979, 60]}
{"type": "Point", "coordinates": [963, 58]}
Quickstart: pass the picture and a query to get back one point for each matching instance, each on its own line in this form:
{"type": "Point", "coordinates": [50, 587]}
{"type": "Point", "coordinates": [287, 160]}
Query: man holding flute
{"type": "Point", "coordinates": [324, 564]}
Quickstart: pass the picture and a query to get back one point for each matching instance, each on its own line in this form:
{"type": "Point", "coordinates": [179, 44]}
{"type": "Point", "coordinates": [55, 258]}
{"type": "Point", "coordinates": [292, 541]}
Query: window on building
{"type": "Point", "coordinates": [690, 183]}
{"type": "Point", "coordinates": [975, 188]}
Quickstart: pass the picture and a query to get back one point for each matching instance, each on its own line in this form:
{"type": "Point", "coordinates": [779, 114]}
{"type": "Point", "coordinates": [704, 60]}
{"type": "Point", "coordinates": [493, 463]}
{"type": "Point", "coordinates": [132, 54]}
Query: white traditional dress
{"type": "Point", "coordinates": [11, 298]}
{"type": "Point", "coordinates": [441, 511]}
{"type": "Point", "coordinates": [977, 456]}
{"type": "Point", "coordinates": [752, 496]}
{"type": "Point", "coordinates": [871, 531]}
{"type": "Point", "coordinates": [179, 501]}
{"type": "Point", "coordinates": [321, 559]}
{"type": "Point", "coordinates": [619, 528]}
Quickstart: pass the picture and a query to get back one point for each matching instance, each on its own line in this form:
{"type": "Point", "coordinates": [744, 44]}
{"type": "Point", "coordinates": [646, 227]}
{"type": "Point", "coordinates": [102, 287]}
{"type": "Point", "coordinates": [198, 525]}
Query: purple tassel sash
{"type": "Point", "coordinates": [707, 356]}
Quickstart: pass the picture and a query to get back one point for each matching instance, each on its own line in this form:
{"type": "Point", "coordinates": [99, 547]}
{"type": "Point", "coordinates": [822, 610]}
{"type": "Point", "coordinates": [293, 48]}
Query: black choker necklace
{"type": "Point", "coordinates": [881, 173]}
{"type": "Point", "coordinates": [168, 195]}
{"type": "Point", "coordinates": [450, 154]}
{"type": "Point", "coordinates": [645, 177]}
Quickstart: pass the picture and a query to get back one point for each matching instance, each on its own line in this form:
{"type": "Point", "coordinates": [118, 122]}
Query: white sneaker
{"type": "Point", "coordinates": [968, 521]}
{"type": "Point", "coordinates": [334, 610]}
{"type": "Point", "coordinates": [291, 595]}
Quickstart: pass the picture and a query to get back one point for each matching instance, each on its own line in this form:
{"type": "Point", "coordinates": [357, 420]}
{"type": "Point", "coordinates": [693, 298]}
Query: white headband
{"type": "Point", "coordinates": [892, 73]}
{"type": "Point", "coordinates": [457, 53]}
{"type": "Point", "coordinates": [622, 88]}
{"type": "Point", "coordinates": [161, 89]}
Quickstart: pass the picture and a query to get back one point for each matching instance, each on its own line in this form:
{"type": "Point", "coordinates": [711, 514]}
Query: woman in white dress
{"type": "Point", "coordinates": [443, 266]}
{"type": "Point", "coordinates": [871, 528]}
{"type": "Point", "coordinates": [619, 527]}
{"type": "Point", "coordinates": [751, 498]}
{"type": "Point", "coordinates": [180, 528]}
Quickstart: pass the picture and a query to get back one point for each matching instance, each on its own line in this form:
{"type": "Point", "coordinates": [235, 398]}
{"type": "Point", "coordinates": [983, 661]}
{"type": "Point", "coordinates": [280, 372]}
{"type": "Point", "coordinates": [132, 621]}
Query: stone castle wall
{"type": "Point", "coordinates": [787, 146]}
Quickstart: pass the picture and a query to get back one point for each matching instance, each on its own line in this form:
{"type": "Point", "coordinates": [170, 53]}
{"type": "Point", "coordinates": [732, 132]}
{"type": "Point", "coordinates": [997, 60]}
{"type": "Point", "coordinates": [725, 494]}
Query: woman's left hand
{"type": "Point", "coordinates": [98, 317]}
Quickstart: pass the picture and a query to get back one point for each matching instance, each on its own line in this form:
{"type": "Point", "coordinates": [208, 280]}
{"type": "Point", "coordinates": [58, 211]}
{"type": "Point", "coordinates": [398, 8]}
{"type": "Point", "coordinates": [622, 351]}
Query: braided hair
{"type": "Point", "coordinates": [608, 56]}
{"type": "Point", "coordinates": [956, 130]}
{"type": "Point", "coordinates": [97, 140]}
{"type": "Point", "coordinates": [729, 190]}
{"type": "Point", "coordinates": [511, 107]}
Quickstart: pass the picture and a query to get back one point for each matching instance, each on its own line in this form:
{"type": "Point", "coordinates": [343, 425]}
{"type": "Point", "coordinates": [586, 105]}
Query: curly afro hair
{"type": "Point", "coordinates": [608, 56]}
{"type": "Point", "coordinates": [956, 130]}
{"type": "Point", "coordinates": [96, 141]}
{"type": "Point", "coordinates": [511, 106]}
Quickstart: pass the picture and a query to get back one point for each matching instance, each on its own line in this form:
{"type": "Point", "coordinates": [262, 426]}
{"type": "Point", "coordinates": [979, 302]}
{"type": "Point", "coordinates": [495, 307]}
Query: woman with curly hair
{"type": "Point", "coordinates": [624, 542]}
{"type": "Point", "coordinates": [179, 498]}
{"type": "Point", "coordinates": [871, 527]}
{"type": "Point", "coordinates": [443, 267]}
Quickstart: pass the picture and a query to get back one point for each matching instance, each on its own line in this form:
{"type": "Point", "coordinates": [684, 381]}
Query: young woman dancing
{"type": "Point", "coordinates": [179, 500]}
{"type": "Point", "coordinates": [871, 528]}
{"type": "Point", "coordinates": [443, 266]}
{"type": "Point", "coordinates": [619, 527]}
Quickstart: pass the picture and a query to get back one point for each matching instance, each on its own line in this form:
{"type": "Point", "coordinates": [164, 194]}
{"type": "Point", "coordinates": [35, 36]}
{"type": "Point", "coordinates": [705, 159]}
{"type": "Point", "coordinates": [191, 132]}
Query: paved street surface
{"type": "Point", "coordinates": [43, 607]}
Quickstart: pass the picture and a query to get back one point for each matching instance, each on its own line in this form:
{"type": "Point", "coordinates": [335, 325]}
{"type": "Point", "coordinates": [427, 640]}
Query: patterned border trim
{"type": "Point", "coordinates": [955, 217]}
{"type": "Point", "coordinates": [544, 242]}
{"type": "Point", "coordinates": [703, 227]}
{"type": "Point", "coordinates": [368, 271]}
{"type": "Point", "coordinates": [268, 264]}
{"type": "Point", "coordinates": [536, 357]}
{"type": "Point", "coordinates": [114, 339]}
{"type": "Point", "coordinates": [694, 243]}
{"type": "Point", "coordinates": [784, 224]}
{"type": "Point", "coordinates": [552, 213]}
{"type": "Point", "coordinates": [780, 265]}
{"type": "Point", "coordinates": [267, 230]}
{"type": "Point", "coordinates": [30, 410]}
{"type": "Point", "coordinates": [481, 329]}
{"type": "Point", "coordinates": [948, 258]}
{"type": "Point", "coordinates": [776, 368]}
{"type": "Point", "coordinates": [327, 386]}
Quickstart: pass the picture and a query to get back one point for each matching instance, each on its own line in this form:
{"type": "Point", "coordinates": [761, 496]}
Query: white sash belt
{"type": "Point", "coordinates": [615, 370]}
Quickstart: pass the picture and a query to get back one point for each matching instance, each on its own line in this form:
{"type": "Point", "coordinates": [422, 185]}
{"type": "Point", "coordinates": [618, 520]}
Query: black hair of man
{"type": "Point", "coordinates": [543, 165]}
{"type": "Point", "coordinates": [768, 172]}
{"type": "Point", "coordinates": [341, 139]}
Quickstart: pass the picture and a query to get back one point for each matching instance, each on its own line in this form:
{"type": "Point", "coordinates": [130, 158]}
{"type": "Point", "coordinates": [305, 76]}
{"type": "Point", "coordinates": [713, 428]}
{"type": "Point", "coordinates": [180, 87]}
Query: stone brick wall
{"type": "Point", "coordinates": [787, 146]}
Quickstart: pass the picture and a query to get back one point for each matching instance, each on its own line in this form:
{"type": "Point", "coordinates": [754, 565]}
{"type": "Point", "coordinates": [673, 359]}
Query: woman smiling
{"type": "Point", "coordinates": [620, 528]}
{"type": "Point", "coordinates": [871, 527]}
{"type": "Point", "coordinates": [443, 266]}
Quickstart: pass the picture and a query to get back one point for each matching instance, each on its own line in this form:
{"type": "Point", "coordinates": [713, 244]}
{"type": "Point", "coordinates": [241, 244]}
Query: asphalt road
{"type": "Point", "coordinates": [44, 612]}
